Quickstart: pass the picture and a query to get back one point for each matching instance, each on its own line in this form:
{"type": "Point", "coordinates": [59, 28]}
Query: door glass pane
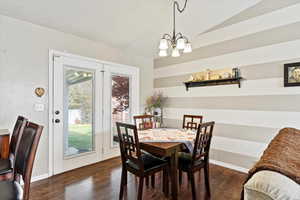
{"type": "Point", "coordinates": [120, 101]}
{"type": "Point", "coordinates": [78, 108]}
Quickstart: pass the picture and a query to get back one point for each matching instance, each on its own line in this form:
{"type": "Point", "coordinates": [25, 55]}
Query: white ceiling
{"type": "Point", "coordinates": [131, 25]}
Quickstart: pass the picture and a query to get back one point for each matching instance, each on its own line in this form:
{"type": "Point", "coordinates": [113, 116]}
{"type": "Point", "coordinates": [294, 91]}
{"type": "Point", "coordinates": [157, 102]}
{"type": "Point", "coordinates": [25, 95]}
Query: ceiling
{"type": "Point", "coordinates": [131, 25]}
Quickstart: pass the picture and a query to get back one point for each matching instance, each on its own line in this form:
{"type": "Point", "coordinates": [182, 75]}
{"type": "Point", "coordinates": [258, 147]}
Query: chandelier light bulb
{"type": "Point", "coordinates": [175, 52]}
{"type": "Point", "coordinates": [180, 43]}
{"type": "Point", "coordinates": [163, 53]}
{"type": "Point", "coordinates": [187, 48]}
{"type": "Point", "coordinates": [163, 44]}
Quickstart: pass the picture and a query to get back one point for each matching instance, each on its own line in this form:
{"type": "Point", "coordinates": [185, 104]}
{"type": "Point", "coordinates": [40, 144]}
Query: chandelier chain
{"type": "Point", "coordinates": [178, 7]}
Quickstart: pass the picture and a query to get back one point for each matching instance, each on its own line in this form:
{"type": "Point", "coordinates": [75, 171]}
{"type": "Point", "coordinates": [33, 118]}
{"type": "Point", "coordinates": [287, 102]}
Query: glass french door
{"type": "Point", "coordinates": [88, 99]}
{"type": "Point", "coordinates": [121, 98]}
{"type": "Point", "coordinates": [77, 113]}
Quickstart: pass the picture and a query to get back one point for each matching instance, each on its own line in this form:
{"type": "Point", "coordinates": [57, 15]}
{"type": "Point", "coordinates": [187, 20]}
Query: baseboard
{"type": "Point", "coordinates": [40, 177]}
{"type": "Point", "coordinates": [230, 166]}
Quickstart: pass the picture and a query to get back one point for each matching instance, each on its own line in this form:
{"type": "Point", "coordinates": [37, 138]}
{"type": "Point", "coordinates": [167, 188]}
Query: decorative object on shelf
{"type": "Point", "coordinates": [292, 74]}
{"type": "Point", "coordinates": [154, 106]}
{"type": "Point", "coordinates": [39, 91]}
{"type": "Point", "coordinates": [176, 42]}
{"type": "Point", "coordinates": [214, 77]}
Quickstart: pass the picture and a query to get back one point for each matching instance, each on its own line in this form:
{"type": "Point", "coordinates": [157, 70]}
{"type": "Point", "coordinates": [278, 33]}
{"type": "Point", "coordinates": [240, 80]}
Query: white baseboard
{"type": "Point", "coordinates": [40, 177]}
{"type": "Point", "coordinates": [230, 166]}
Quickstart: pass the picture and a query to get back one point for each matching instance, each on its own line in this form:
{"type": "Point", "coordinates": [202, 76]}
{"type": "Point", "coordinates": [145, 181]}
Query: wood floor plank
{"type": "Point", "coordinates": [101, 181]}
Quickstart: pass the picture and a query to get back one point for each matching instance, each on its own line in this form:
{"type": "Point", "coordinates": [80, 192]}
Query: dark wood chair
{"type": "Point", "coordinates": [23, 164]}
{"type": "Point", "coordinates": [191, 121]}
{"type": "Point", "coordinates": [133, 160]}
{"type": "Point", "coordinates": [6, 165]}
{"type": "Point", "coordinates": [199, 158]}
{"type": "Point", "coordinates": [144, 122]}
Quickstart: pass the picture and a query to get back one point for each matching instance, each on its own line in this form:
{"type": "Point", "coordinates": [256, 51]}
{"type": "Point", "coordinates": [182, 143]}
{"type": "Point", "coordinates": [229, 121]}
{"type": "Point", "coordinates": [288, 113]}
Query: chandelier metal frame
{"type": "Point", "coordinates": [175, 41]}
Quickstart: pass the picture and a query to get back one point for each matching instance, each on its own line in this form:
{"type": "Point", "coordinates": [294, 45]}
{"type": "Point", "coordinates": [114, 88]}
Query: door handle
{"type": "Point", "coordinates": [57, 121]}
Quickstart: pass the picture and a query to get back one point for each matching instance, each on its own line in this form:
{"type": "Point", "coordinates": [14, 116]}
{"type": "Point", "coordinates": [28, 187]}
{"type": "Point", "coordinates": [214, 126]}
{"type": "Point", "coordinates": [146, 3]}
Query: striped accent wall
{"type": "Point", "coordinates": [247, 118]}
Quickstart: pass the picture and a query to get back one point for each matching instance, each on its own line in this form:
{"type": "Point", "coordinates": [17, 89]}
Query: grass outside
{"type": "Point", "coordinates": [80, 137]}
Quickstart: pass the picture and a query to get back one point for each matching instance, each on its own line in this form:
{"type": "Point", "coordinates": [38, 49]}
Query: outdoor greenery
{"type": "Point", "coordinates": [81, 98]}
{"type": "Point", "coordinates": [80, 136]}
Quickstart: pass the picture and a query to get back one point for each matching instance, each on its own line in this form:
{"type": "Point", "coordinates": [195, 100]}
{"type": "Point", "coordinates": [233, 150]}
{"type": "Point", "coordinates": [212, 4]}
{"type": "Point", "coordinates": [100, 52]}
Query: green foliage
{"type": "Point", "coordinates": [81, 98]}
{"type": "Point", "coordinates": [80, 136]}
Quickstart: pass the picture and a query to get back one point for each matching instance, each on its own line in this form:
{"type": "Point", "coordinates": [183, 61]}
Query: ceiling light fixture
{"type": "Point", "coordinates": [177, 42]}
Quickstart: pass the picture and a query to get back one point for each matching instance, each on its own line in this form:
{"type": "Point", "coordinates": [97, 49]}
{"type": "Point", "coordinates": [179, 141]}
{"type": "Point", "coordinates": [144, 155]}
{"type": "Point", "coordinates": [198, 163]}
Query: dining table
{"type": "Point", "coordinates": [167, 142]}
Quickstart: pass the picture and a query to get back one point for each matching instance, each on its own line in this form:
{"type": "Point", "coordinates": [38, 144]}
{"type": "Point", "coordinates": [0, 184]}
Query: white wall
{"type": "Point", "coordinates": [24, 66]}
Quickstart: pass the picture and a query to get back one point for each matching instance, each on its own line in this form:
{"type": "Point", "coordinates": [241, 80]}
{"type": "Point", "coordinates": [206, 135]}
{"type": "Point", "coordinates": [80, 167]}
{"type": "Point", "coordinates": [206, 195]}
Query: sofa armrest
{"type": "Point", "coordinates": [269, 185]}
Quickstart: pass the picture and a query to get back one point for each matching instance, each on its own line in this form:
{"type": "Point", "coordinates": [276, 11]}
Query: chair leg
{"type": "Point", "coordinates": [153, 180]}
{"type": "Point", "coordinates": [165, 182]}
{"type": "Point", "coordinates": [123, 183]}
{"type": "Point", "coordinates": [125, 177]}
{"type": "Point", "coordinates": [140, 191]}
{"type": "Point", "coordinates": [192, 178]}
{"type": "Point", "coordinates": [206, 175]}
{"type": "Point", "coordinates": [180, 176]}
{"type": "Point", "coordinates": [147, 181]}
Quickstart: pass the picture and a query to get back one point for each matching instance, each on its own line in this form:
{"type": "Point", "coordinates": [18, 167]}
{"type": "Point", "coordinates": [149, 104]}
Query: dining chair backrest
{"type": "Point", "coordinates": [16, 134]}
{"type": "Point", "coordinates": [191, 121]}
{"type": "Point", "coordinates": [129, 144]}
{"type": "Point", "coordinates": [26, 154]}
{"type": "Point", "coordinates": [202, 142]}
{"type": "Point", "coordinates": [144, 122]}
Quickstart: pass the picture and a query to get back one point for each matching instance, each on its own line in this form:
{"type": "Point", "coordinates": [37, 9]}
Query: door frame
{"type": "Point", "coordinates": [55, 53]}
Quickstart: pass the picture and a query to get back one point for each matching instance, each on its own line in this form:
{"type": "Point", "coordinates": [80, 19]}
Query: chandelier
{"type": "Point", "coordinates": [175, 43]}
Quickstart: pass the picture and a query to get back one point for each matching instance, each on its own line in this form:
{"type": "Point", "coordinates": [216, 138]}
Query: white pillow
{"type": "Point", "coordinates": [269, 185]}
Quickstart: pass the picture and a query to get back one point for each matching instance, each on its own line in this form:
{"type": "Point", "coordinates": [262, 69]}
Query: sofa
{"type": "Point", "coordinates": [270, 185]}
{"type": "Point", "coordinates": [276, 176]}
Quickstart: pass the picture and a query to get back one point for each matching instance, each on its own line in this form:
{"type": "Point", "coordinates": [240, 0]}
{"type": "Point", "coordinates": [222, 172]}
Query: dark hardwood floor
{"type": "Point", "coordinates": [102, 181]}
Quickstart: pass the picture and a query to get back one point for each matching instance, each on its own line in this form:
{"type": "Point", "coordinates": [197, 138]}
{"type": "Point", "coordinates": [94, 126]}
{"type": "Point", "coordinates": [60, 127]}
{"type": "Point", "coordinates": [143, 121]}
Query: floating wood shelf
{"type": "Point", "coordinates": [227, 81]}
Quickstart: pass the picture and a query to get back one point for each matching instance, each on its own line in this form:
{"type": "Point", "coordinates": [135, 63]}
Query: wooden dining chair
{"type": "Point", "coordinates": [6, 165]}
{"type": "Point", "coordinates": [199, 158]}
{"type": "Point", "coordinates": [191, 121]}
{"type": "Point", "coordinates": [23, 164]}
{"type": "Point", "coordinates": [144, 122]}
{"type": "Point", "coordinates": [133, 160]}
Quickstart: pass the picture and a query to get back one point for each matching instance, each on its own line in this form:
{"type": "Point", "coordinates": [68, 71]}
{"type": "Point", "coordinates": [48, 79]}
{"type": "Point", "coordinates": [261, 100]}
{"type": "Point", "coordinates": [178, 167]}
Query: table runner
{"type": "Point", "coordinates": [187, 137]}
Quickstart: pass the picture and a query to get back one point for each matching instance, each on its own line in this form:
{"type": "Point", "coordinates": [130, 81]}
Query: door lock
{"type": "Point", "coordinates": [57, 112]}
{"type": "Point", "coordinates": [57, 121]}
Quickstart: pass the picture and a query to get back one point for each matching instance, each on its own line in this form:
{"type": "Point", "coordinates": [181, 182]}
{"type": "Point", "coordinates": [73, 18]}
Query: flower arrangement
{"type": "Point", "coordinates": [157, 100]}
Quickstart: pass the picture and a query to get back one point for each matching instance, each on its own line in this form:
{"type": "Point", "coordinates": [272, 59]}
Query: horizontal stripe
{"type": "Point", "coordinates": [243, 147]}
{"type": "Point", "coordinates": [229, 166]}
{"type": "Point", "coordinates": [260, 103]}
{"type": "Point", "coordinates": [283, 34]}
{"type": "Point", "coordinates": [270, 119]}
{"type": "Point", "coordinates": [264, 22]}
{"type": "Point", "coordinates": [261, 8]}
{"type": "Point", "coordinates": [272, 53]}
{"type": "Point", "coordinates": [233, 158]}
{"type": "Point", "coordinates": [248, 88]}
{"type": "Point", "coordinates": [171, 81]}
{"type": "Point", "coordinates": [249, 133]}
{"type": "Point", "coordinates": [252, 72]}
